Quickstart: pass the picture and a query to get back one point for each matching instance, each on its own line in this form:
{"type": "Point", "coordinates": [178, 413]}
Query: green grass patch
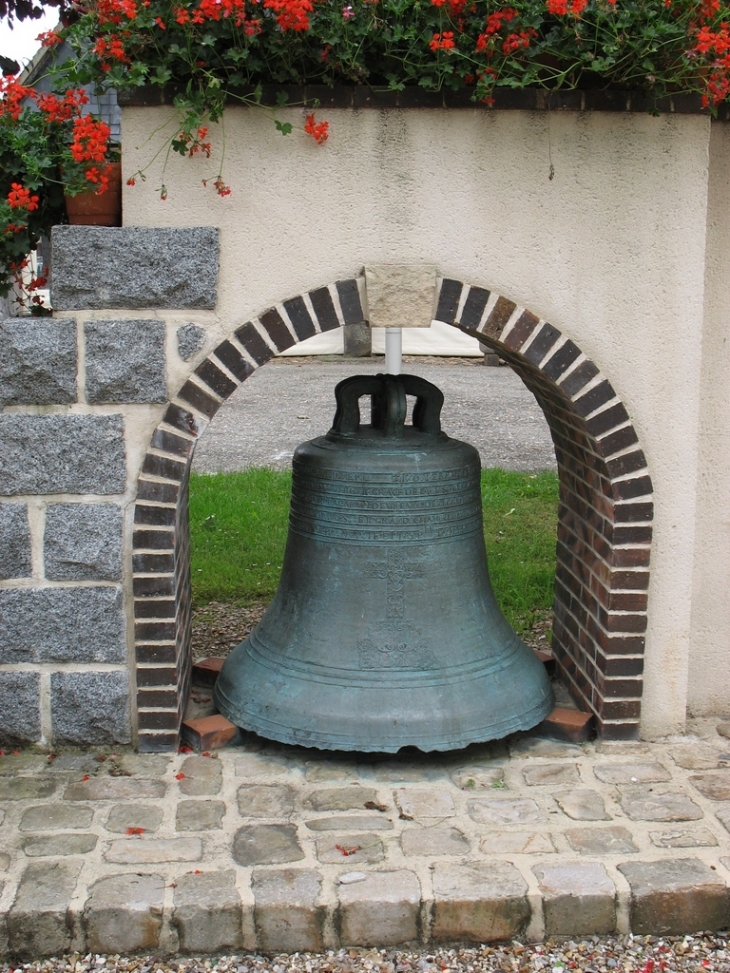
{"type": "Point", "coordinates": [238, 528]}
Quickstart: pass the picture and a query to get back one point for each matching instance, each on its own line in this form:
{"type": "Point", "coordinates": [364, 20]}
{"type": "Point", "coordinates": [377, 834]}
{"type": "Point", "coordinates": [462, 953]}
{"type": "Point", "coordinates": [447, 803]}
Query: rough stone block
{"type": "Point", "coordinates": [505, 811]}
{"type": "Point", "coordinates": [190, 340]}
{"type": "Point", "coordinates": [400, 296]}
{"type": "Point", "coordinates": [583, 805]}
{"type": "Point", "coordinates": [123, 913]}
{"type": "Point", "coordinates": [351, 822]}
{"type": "Point", "coordinates": [201, 776]}
{"type": "Point", "coordinates": [675, 897]}
{"type": "Point", "coordinates": [266, 844]}
{"type": "Point", "coordinates": [25, 788]}
{"type": "Point", "coordinates": [478, 901]}
{"type": "Point", "coordinates": [20, 708]}
{"type": "Point", "coordinates": [579, 899]}
{"type": "Point", "coordinates": [543, 775]}
{"type": "Point", "coordinates": [351, 849]}
{"type": "Point", "coordinates": [90, 708]}
{"type": "Point", "coordinates": [207, 912]}
{"type": "Point", "coordinates": [144, 851]}
{"type": "Point", "coordinates": [200, 815]}
{"type": "Point", "coordinates": [122, 817]}
{"type": "Point", "coordinates": [56, 817]}
{"type": "Point", "coordinates": [601, 841]}
{"type": "Point", "coordinates": [56, 845]}
{"type": "Point", "coordinates": [287, 912]}
{"type": "Point", "coordinates": [14, 541]}
{"type": "Point", "coordinates": [62, 625]}
{"type": "Point", "coordinates": [340, 798]}
{"type": "Point", "coordinates": [641, 806]}
{"type": "Point", "coordinates": [380, 911]}
{"type": "Point", "coordinates": [115, 789]}
{"type": "Point", "coordinates": [83, 542]}
{"type": "Point", "coordinates": [38, 360]}
{"type": "Point", "coordinates": [433, 842]}
{"type": "Point", "coordinates": [61, 454]}
{"type": "Point", "coordinates": [134, 267]}
{"type": "Point", "coordinates": [266, 801]}
{"type": "Point", "coordinates": [38, 921]}
{"type": "Point", "coordinates": [517, 843]}
{"type": "Point", "coordinates": [632, 773]}
{"type": "Point", "coordinates": [422, 802]}
{"type": "Point", "coordinates": [125, 361]}
{"type": "Point", "coordinates": [715, 787]}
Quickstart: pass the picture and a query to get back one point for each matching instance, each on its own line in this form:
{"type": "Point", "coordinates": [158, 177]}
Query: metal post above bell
{"type": "Point", "coordinates": [384, 631]}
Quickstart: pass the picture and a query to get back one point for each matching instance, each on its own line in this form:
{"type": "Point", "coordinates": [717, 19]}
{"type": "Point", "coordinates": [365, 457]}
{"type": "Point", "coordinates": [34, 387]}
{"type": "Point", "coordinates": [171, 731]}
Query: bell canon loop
{"type": "Point", "coordinates": [384, 631]}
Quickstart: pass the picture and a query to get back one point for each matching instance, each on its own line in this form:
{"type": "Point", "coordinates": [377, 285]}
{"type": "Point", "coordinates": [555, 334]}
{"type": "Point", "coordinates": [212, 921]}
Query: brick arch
{"type": "Point", "coordinates": [604, 520]}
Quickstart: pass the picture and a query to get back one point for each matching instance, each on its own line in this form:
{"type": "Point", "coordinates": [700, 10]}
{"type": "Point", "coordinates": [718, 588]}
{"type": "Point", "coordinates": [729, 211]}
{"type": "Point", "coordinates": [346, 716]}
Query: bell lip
{"type": "Point", "coordinates": [293, 736]}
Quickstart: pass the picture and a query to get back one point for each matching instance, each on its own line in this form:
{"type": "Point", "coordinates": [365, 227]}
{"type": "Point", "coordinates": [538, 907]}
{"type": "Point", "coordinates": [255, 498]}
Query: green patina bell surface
{"type": "Point", "coordinates": [384, 632]}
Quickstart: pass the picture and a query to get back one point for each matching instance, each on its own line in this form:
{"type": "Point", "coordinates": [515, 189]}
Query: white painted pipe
{"type": "Point", "coordinates": [393, 351]}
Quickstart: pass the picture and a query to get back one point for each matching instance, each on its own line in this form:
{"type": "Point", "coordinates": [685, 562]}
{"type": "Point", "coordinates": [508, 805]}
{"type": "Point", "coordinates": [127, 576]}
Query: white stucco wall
{"type": "Point", "coordinates": [611, 251]}
{"type": "Point", "coordinates": [709, 685]}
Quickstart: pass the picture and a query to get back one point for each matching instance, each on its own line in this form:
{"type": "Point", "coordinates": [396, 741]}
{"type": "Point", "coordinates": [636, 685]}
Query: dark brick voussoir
{"type": "Point", "coordinates": [164, 467]}
{"type": "Point", "coordinates": [217, 380]}
{"type": "Point", "coordinates": [324, 308]}
{"type": "Point", "coordinates": [195, 396]}
{"type": "Point", "coordinates": [448, 302]}
{"type": "Point", "coordinates": [250, 339]}
{"type": "Point", "coordinates": [276, 328]}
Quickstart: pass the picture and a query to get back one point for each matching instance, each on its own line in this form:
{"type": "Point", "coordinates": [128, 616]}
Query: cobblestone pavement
{"type": "Point", "coordinates": [279, 849]}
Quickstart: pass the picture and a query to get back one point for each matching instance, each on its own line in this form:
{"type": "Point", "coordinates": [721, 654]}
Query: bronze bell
{"type": "Point", "coordinates": [384, 631]}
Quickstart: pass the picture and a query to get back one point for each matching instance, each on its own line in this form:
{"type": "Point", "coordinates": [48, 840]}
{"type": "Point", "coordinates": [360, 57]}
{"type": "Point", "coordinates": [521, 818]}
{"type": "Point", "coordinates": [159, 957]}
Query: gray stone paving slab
{"type": "Point", "coordinates": [641, 806]}
{"type": "Point", "coordinates": [266, 844]}
{"type": "Point", "coordinates": [59, 845]}
{"type": "Point", "coordinates": [631, 773]}
{"type": "Point", "coordinates": [583, 805]}
{"type": "Point", "coordinates": [123, 913]}
{"type": "Point", "coordinates": [384, 909]}
{"type": "Point", "coordinates": [674, 897]}
{"type": "Point", "coordinates": [579, 899]}
{"type": "Point", "coordinates": [200, 815]}
{"type": "Point", "coordinates": [601, 841]}
{"type": "Point", "coordinates": [207, 911]}
{"type": "Point", "coordinates": [274, 872]}
{"type": "Point", "coordinates": [38, 920]}
{"type": "Point", "coordinates": [200, 776]}
{"type": "Point", "coordinates": [140, 850]}
{"type": "Point", "coordinates": [715, 787]}
{"type": "Point", "coordinates": [288, 913]}
{"type": "Point", "coordinates": [517, 843]}
{"type": "Point", "coordinates": [544, 775]}
{"type": "Point", "coordinates": [340, 798]}
{"type": "Point", "coordinates": [266, 801]}
{"type": "Point", "coordinates": [434, 842]}
{"type": "Point", "coordinates": [114, 789]}
{"type": "Point", "coordinates": [124, 817]}
{"type": "Point", "coordinates": [351, 849]}
{"type": "Point", "coordinates": [478, 901]}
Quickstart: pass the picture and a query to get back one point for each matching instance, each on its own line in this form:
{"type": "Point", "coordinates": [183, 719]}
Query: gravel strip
{"type": "Point", "coordinates": [625, 954]}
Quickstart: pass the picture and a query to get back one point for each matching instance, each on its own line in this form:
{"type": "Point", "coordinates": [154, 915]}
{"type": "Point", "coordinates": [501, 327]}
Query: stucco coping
{"type": "Point", "coordinates": [505, 99]}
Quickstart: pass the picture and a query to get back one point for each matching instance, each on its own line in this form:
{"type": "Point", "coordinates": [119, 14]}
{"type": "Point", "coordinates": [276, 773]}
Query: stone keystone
{"type": "Point", "coordinates": [382, 910]}
{"type": "Point", "coordinates": [478, 902]}
{"type": "Point", "coordinates": [288, 914]}
{"type": "Point", "coordinates": [579, 899]}
{"type": "Point", "coordinates": [124, 913]}
{"type": "Point", "coordinates": [38, 922]}
{"type": "Point", "coordinates": [400, 296]}
{"type": "Point", "coordinates": [675, 897]}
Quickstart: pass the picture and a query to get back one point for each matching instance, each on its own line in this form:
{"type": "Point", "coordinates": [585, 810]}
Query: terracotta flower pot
{"type": "Point", "coordinates": [104, 209]}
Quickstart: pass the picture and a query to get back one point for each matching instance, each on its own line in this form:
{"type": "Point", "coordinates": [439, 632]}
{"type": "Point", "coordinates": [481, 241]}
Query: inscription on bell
{"type": "Point", "coordinates": [399, 644]}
